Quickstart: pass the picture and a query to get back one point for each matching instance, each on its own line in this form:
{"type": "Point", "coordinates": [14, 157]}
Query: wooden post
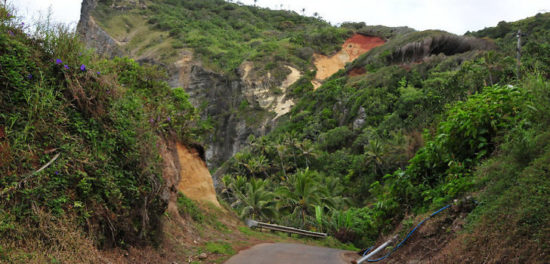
{"type": "Point", "coordinates": [518, 49]}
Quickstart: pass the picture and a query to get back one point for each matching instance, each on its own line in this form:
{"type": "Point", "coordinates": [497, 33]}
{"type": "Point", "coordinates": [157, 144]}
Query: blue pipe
{"type": "Point", "coordinates": [407, 237]}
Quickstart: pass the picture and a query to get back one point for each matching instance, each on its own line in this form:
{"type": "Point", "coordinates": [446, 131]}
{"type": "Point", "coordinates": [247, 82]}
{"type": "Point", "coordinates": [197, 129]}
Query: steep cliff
{"type": "Point", "coordinates": [93, 35]}
{"type": "Point", "coordinates": [235, 104]}
{"type": "Point", "coordinates": [238, 107]}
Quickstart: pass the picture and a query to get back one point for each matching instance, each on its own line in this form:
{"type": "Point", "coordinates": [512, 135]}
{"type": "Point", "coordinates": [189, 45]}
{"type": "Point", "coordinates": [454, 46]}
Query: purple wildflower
{"type": "Point", "coordinates": [22, 24]}
{"type": "Point", "coordinates": [168, 119]}
{"type": "Point", "coordinates": [8, 15]}
{"type": "Point", "coordinates": [66, 66]}
{"type": "Point", "coordinates": [11, 33]}
{"type": "Point", "coordinates": [83, 67]}
{"type": "Point", "coordinates": [152, 120]}
{"type": "Point", "coordinates": [58, 61]}
{"type": "Point", "coordinates": [98, 73]}
{"type": "Point", "coordinates": [57, 173]}
{"type": "Point", "coordinates": [29, 76]}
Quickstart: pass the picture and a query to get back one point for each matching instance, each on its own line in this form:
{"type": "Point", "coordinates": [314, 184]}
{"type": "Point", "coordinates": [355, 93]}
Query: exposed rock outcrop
{"type": "Point", "coordinates": [171, 175]}
{"type": "Point", "coordinates": [444, 43]}
{"type": "Point", "coordinates": [221, 97]}
{"type": "Point", "coordinates": [93, 35]}
{"type": "Point", "coordinates": [238, 105]}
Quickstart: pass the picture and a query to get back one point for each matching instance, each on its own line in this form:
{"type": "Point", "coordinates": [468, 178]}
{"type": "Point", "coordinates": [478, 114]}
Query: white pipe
{"type": "Point", "coordinates": [380, 248]}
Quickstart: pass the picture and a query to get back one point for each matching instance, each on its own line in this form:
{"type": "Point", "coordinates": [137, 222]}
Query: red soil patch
{"type": "Point", "coordinates": [354, 47]}
{"type": "Point", "coordinates": [357, 72]}
{"type": "Point", "coordinates": [359, 44]}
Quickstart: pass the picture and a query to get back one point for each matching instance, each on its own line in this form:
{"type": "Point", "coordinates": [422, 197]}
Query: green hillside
{"type": "Point", "coordinates": [94, 127]}
{"type": "Point", "coordinates": [426, 120]}
{"type": "Point", "coordinates": [364, 153]}
{"type": "Point", "coordinates": [221, 34]}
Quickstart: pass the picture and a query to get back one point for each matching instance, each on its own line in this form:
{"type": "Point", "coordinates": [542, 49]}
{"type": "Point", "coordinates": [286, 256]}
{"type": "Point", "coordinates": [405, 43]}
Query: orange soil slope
{"type": "Point", "coordinates": [196, 182]}
{"type": "Point", "coordinates": [353, 48]}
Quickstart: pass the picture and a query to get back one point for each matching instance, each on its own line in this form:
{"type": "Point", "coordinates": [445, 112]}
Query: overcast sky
{"type": "Point", "coordinates": [457, 16]}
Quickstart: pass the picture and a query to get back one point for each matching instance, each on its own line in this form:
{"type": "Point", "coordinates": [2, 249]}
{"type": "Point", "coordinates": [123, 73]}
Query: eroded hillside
{"type": "Point", "coordinates": [354, 47]}
{"type": "Point", "coordinates": [428, 119]}
{"type": "Point", "coordinates": [236, 62]}
{"type": "Point", "coordinates": [97, 157]}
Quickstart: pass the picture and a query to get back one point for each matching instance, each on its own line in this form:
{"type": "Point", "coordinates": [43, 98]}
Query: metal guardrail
{"type": "Point", "coordinates": [292, 230]}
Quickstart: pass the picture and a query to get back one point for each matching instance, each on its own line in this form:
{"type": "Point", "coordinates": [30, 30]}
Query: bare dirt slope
{"type": "Point", "coordinates": [196, 182]}
{"type": "Point", "coordinates": [283, 104]}
{"type": "Point", "coordinates": [353, 48]}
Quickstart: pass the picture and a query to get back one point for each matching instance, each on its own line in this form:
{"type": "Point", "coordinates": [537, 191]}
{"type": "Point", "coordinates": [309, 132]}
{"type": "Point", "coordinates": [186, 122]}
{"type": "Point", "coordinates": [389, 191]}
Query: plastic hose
{"type": "Point", "coordinates": [407, 237]}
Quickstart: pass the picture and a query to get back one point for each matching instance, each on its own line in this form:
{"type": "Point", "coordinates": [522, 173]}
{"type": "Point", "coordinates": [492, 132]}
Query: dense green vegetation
{"type": "Point", "coordinates": [104, 118]}
{"type": "Point", "coordinates": [354, 158]}
{"type": "Point", "coordinates": [535, 38]}
{"type": "Point", "coordinates": [224, 34]}
{"type": "Point", "coordinates": [405, 138]}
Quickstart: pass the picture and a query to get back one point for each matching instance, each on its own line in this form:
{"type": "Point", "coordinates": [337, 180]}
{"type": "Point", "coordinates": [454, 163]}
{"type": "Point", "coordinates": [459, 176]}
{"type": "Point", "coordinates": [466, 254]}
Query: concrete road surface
{"type": "Point", "coordinates": [283, 253]}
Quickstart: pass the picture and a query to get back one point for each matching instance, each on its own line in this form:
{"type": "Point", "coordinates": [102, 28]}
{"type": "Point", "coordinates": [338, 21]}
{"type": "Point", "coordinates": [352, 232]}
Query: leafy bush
{"type": "Point", "coordinates": [187, 207]}
{"type": "Point", "coordinates": [226, 34]}
{"type": "Point", "coordinates": [104, 118]}
{"type": "Point", "coordinates": [335, 138]}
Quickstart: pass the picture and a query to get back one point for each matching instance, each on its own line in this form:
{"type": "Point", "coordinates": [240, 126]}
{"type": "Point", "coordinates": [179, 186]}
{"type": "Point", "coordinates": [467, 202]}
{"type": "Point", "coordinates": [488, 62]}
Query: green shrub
{"type": "Point", "coordinates": [105, 119]}
{"type": "Point", "coordinates": [335, 138]}
{"type": "Point", "coordinates": [219, 248]}
{"type": "Point", "coordinates": [187, 207]}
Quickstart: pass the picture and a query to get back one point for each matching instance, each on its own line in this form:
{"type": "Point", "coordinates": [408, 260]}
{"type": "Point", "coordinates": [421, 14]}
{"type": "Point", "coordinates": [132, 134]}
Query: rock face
{"type": "Point", "coordinates": [93, 35]}
{"type": "Point", "coordinates": [444, 43]}
{"type": "Point", "coordinates": [223, 98]}
{"type": "Point", "coordinates": [238, 105]}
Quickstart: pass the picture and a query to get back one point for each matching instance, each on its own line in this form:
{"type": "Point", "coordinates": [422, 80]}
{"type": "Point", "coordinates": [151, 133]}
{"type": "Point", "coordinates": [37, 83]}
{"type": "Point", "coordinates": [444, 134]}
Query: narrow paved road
{"type": "Point", "coordinates": [283, 253]}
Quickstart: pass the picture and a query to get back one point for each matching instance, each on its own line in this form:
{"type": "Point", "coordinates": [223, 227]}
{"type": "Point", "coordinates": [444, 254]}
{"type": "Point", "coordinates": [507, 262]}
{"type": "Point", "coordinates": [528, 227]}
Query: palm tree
{"type": "Point", "coordinates": [291, 140]}
{"type": "Point", "coordinates": [307, 150]}
{"type": "Point", "coordinates": [281, 149]}
{"type": "Point", "coordinates": [374, 155]}
{"type": "Point", "coordinates": [303, 11]}
{"type": "Point", "coordinates": [232, 186]}
{"type": "Point", "coordinates": [259, 144]}
{"type": "Point", "coordinates": [242, 159]}
{"type": "Point", "coordinates": [258, 164]}
{"type": "Point", "coordinates": [256, 201]}
{"type": "Point", "coordinates": [299, 195]}
{"type": "Point", "coordinates": [332, 190]}
{"type": "Point", "coordinates": [255, 1]}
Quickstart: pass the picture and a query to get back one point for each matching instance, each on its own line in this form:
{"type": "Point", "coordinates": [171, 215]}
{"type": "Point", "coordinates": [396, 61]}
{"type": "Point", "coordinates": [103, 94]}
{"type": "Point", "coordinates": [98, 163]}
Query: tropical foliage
{"type": "Point", "coordinates": [96, 123]}
{"type": "Point", "coordinates": [224, 34]}
{"type": "Point", "coordinates": [402, 139]}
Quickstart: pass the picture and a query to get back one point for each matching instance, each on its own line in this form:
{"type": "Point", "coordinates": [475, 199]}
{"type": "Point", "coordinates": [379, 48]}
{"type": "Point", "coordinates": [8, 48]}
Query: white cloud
{"type": "Point", "coordinates": [457, 16]}
{"type": "Point", "coordinates": [64, 11]}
